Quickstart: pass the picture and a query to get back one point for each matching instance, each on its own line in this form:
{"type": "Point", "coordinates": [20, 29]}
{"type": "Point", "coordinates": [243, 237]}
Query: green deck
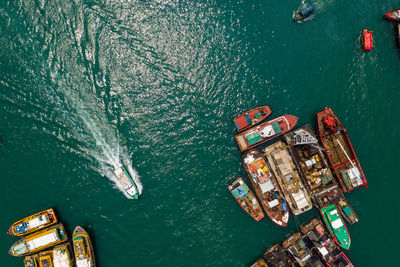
{"type": "Point", "coordinates": [336, 226]}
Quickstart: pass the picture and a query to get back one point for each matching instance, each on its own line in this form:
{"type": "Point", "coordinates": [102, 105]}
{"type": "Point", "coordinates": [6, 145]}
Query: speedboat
{"type": "Point", "coordinates": [128, 184]}
{"type": "Point", "coordinates": [393, 15]}
{"type": "Point", "coordinates": [304, 11]}
{"type": "Point", "coordinates": [367, 41]}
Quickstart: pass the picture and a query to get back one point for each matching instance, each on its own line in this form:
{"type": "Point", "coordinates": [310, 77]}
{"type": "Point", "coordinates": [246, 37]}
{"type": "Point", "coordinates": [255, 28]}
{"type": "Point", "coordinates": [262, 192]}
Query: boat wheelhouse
{"type": "Point", "coordinates": [336, 226]}
{"type": "Point", "coordinates": [266, 187]}
{"type": "Point", "coordinates": [127, 182]}
{"type": "Point", "coordinates": [33, 223]}
{"type": "Point", "coordinates": [340, 152]}
{"type": "Point", "coordinates": [39, 241]}
{"type": "Point", "coordinates": [265, 132]}
{"type": "Point", "coordinates": [310, 160]}
{"type": "Point", "coordinates": [277, 257]}
{"type": "Point", "coordinates": [83, 250]}
{"type": "Point", "coordinates": [393, 15]}
{"type": "Point", "coordinates": [251, 117]}
{"type": "Point", "coordinates": [246, 199]}
{"type": "Point", "coordinates": [288, 177]}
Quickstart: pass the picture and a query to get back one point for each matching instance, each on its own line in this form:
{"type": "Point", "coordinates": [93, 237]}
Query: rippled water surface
{"type": "Point", "coordinates": [85, 85]}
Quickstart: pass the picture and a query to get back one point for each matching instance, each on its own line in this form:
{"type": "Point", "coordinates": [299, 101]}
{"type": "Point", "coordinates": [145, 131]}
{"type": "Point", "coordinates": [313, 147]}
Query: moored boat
{"type": "Point", "coordinates": [311, 162]}
{"type": "Point", "coordinates": [246, 199]}
{"type": "Point", "coordinates": [259, 263]}
{"type": "Point", "coordinates": [296, 245]}
{"type": "Point", "coordinates": [397, 32]}
{"type": "Point", "coordinates": [277, 257]}
{"type": "Point", "coordinates": [347, 211]}
{"type": "Point", "coordinates": [265, 132]}
{"type": "Point", "coordinates": [31, 261]}
{"type": "Point", "coordinates": [288, 177]}
{"type": "Point", "coordinates": [328, 250]}
{"type": "Point", "coordinates": [366, 39]}
{"type": "Point", "coordinates": [83, 250]}
{"type": "Point", "coordinates": [62, 256]}
{"type": "Point", "coordinates": [340, 152]}
{"type": "Point", "coordinates": [33, 223]}
{"type": "Point", "coordinates": [39, 241]}
{"type": "Point", "coordinates": [304, 11]}
{"type": "Point", "coordinates": [251, 117]}
{"type": "Point", "coordinates": [46, 259]}
{"type": "Point", "coordinates": [393, 15]}
{"type": "Point", "coordinates": [336, 226]}
{"type": "Point", "coordinates": [266, 187]}
{"type": "Point", "coordinates": [127, 182]}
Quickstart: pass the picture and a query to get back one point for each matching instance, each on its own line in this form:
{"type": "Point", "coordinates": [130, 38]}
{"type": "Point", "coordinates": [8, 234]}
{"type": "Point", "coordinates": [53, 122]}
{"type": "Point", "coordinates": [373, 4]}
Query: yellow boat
{"type": "Point", "coordinates": [33, 223]}
{"type": "Point", "coordinates": [39, 241]}
{"type": "Point", "coordinates": [83, 250]}
{"type": "Point", "coordinates": [45, 259]}
{"type": "Point", "coordinates": [31, 261]}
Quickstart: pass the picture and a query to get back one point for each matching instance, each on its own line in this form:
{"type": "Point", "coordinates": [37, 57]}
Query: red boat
{"type": "Point", "coordinates": [340, 152]}
{"type": "Point", "coordinates": [367, 41]}
{"type": "Point", "coordinates": [251, 117]}
{"type": "Point", "coordinates": [265, 132]}
{"type": "Point", "coordinates": [393, 15]}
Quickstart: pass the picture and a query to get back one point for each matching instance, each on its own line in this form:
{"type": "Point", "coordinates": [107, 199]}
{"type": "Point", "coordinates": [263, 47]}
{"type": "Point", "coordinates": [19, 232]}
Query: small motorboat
{"type": "Point", "coordinates": [251, 117]}
{"type": "Point", "coordinates": [393, 15]}
{"type": "Point", "coordinates": [304, 11]}
{"type": "Point", "coordinates": [367, 40]}
{"type": "Point", "coordinates": [127, 182]}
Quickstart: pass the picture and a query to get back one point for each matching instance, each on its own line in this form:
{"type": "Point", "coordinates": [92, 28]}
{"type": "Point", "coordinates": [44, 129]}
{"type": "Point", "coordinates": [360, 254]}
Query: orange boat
{"type": "Point", "coordinates": [251, 117]}
{"type": "Point", "coordinates": [340, 152]}
{"type": "Point", "coordinates": [367, 41]}
{"type": "Point", "coordinates": [265, 132]}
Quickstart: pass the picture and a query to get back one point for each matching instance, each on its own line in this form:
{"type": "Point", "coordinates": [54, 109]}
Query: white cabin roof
{"type": "Point", "coordinates": [43, 240]}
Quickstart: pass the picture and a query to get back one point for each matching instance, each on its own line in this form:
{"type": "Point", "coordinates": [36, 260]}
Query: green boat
{"type": "Point", "coordinates": [128, 184]}
{"type": "Point", "coordinates": [336, 226]}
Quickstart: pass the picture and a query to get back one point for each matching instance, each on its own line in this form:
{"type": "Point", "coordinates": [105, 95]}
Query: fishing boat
{"type": "Point", "coordinates": [288, 177]}
{"type": "Point", "coordinates": [33, 223]}
{"type": "Point", "coordinates": [327, 249]}
{"type": "Point", "coordinates": [297, 246]}
{"type": "Point", "coordinates": [259, 263]}
{"type": "Point", "coordinates": [340, 152]}
{"type": "Point", "coordinates": [46, 259]}
{"type": "Point", "coordinates": [127, 182]}
{"type": "Point", "coordinates": [251, 117]}
{"type": "Point", "coordinates": [307, 154]}
{"type": "Point", "coordinates": [393, 15]}
{"type": "Point", "coordinates": [336, 226]}
{"type": "Point", "coordinates": [366, 39]}
{"type": "Point", "coordinates": [265, 132]}
{"type": "Point", "coordinates": [83, 250]}
{"type": "Point", "coordinates": [31, 261]}
{"type": "Point", "coordinates": [277, 257]}
{"type": "Point", "coordinates": [397, 32]}
{"type": "Point", "coordinates": [246, 199]}
{"type": "Point", "coordinates": [39, 241]}
{"type": "Point", "coordinates": [304, 11]}
{"type": "Point", "coordinates": [329, 196]}
{"type": "Point", "coordinates": [266, 187]}
{"type": "Point", "coordinates": [347, 211]}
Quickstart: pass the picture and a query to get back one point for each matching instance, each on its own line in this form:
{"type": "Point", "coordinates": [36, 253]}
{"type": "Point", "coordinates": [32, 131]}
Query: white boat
{"type": "Point", "coordinates": [128, 184]}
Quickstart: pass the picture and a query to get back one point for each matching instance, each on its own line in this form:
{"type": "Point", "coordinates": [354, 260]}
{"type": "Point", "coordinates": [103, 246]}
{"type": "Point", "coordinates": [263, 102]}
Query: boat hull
{"type": "Point", "coordinates": [83, 249]}
{"type": "Point", "coordinates": [340, 152]}
{"type": "Point", "coordinates": [251, 118]}
{"type": "Point", "coordinates": [339, 231]}
{"type": "Point", "coordinates": [391, 15]}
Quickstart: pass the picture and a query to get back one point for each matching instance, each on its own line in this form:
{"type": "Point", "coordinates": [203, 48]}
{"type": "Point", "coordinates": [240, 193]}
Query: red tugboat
{"type": "Point", "coordinates": [251, 117]}
{"type": "Point", "coordinates": [393, 15]}
{"type": "Point", "coordinates": [340, 152]}
{"type": "Point", "coordinates": [367, 41]}
{"type": "Point", "coordinates": [265, 132]}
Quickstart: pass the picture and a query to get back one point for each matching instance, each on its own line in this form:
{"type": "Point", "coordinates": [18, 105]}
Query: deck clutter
{"type": "Point", "coordinates": [297, 173]}
{"type": "Point", "coordinates": [45, 243]}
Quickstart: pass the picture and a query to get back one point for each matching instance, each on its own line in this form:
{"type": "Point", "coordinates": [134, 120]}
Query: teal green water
{"type": "Point", "coordinates": [84, 84]}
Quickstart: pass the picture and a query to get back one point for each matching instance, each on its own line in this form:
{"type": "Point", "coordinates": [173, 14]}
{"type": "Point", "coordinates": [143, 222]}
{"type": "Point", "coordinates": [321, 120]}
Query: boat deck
{"type": "Point", "coordinates": [251, 117]}
{"type": "Point", "coordinates": [329, 196]}
{"type": "Point", "coordinates": [276, 256]}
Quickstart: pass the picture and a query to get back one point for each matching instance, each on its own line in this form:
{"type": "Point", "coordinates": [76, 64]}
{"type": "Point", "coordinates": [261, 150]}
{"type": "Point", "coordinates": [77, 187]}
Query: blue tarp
{"type": "Point", "coordinates": [307, 10]}
{"type": "Point", "coordinates": [248, 119]}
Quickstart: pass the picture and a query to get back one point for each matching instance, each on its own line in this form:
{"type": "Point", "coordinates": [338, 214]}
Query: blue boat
{"type": "Point", "coordinates": [304, 11]}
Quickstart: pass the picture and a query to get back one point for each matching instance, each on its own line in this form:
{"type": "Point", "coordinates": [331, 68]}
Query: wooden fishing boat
{"type": "Point", "coordinates": [328, 250]}
{"type": "Point", "coordinates": [251, 117]}
{"type": "Point", "coordinates": [246, 199]}
{"type": "Point", "coordinates": [307, 154]}
{"type": "Point", "coordinates": [266, 187]}
{"type": "Point", "coordinates": [31, 261]}
{"type": "Point", "coordinates": [265, 132]}
{"type": "Point", "coordinates": [33, 223]}
{"type": "Point", "coordinates": [127, 182]}
{"type": "Point", "coordinates": [288, 177]}
{"type": "Point", "coordinates": [366, 39]}
{"type": "Point", "coordinates": [296, 245]}
{"type": "Point", "coordinates": [335, 224]}
{"type": "Point", "coordinates": [39, 241]}
{"type": "Point", "coordinates": [340, 152]}
{"type": "Point", "coordinates": [277, 257]}
{"type": "Point", "coordinates": [304, 11]}
{"type": "Point", "coordinates": [393, 15]}
{"type": "Point", "coordinates": [83, 250]}
{"type": "Point", "coordinates": [259, 263]}
{"type": "Point", "coordinates": [347, 211]}
{"type": "Point", "coordinates": [46, 259]}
